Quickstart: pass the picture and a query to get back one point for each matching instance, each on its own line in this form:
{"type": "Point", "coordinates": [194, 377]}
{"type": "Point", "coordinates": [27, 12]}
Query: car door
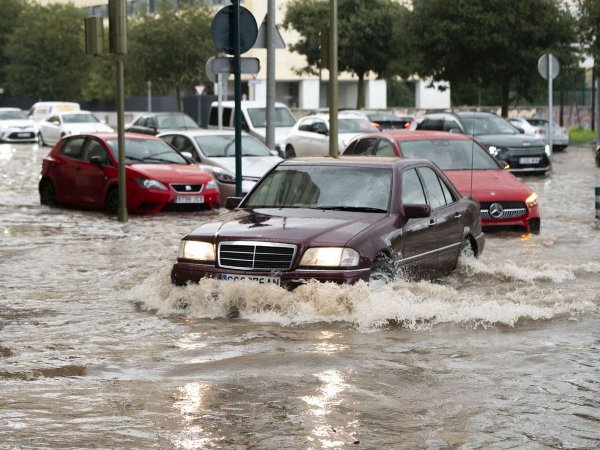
{"type": "Point", "coordinates": [92, 178]}
{"type": "Point", "coordinates": [52, 127]}
{"type": "Point", "coordinates": [448, 217]}
{"type": "Point", "coordinates": [317, 139]}
{"type": "Point", "coordinates": [67, 169]}
{"type": "Point", "coordinates": [418, 254]}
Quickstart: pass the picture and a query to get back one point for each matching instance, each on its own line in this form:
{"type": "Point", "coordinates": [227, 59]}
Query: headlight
{"type": "Point", "coordinates": [532, 200]}
{"type": "Point", "coordinates": [547, 150]}
{"type": "Point", "coordinates": [330, 257]}
{"type": "Point", "coordinates": [146, 183]}
{"type": "Point", "coordinates": [224, 176]}
{"type": "Point", "coordinates": [196, 250]}
{"type": "Point", "coordinates": [211, 185]}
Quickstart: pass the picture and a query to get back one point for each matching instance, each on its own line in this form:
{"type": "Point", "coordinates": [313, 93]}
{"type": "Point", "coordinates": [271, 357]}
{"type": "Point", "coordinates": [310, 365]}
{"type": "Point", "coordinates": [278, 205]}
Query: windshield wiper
{"type": "Point", "coordinates": [154, 158]}
{"type": "Point", "coordinates": [133, 158]}
{"type": "Point", "coordinates": [350, 208]}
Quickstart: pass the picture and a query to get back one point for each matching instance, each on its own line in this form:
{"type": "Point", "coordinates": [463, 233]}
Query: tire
{"type": "Point", "coordinates": [535, 226]}
{"type": "Point", "coordinates": [466, 248]}
{"type": "Point", "coordinates": [47, 193]}
{"type": "Point", "coordinates": [40, 140]}
{"type": "Point", "coordinates": [289, 152]}
{"type": "Point", "coordinates": [382, 269]}
{"type": "Point", "coordinates": [111, 206]}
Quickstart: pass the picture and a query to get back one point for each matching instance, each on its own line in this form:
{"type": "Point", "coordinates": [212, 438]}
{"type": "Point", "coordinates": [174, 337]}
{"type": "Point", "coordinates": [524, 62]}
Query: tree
{"type": "Point", "coordinates": [491, 42]}
{"type": "Point", "coordinates": [45, 53]}
{"type": "Point", "coordinates": [170, 48]}
{"type": "Point", "coordinates": [368, 36]}
{"type": "Point", "coordinates": [11, 9]}
{"type": "Point", "coordinates": [589, 32]}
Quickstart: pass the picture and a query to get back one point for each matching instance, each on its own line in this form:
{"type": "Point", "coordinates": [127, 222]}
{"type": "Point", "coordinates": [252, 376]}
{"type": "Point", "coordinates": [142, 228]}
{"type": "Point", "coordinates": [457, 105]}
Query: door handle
{"type": "Point", "coordinates": [431, 223]}
{"type": "Point", "coordinates": [457, 215]}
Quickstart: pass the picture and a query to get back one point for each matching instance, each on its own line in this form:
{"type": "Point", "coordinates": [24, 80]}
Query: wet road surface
{"type": "Point", "coordinates": [98, 350]}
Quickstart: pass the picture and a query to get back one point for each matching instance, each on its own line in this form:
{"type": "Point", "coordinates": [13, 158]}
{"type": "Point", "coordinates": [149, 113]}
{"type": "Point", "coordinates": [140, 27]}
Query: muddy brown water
{"type": "Point", "coordinates": [98, 350]}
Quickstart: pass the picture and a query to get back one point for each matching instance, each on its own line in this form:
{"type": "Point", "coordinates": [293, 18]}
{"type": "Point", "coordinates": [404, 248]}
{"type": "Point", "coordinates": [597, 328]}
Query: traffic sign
{"type": "Point", "coordinates": [261, 39]}
{"type": "Point", "coordinates": [224, 64]}
{"type": "Point", "coordinates": [543, 66]}
{"type": "Point", "coordinates": [221, 30]}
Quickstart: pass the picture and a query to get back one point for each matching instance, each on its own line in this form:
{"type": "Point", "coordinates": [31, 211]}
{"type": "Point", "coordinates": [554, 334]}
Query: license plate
{"type": "Point", "coordinates": [529, 160]}
{"type": "Point", "coordinates": [189, 199]}
{"type": "Point", "coordinates": [259, 279]}
{"type": "Point", "coordinates": [23, 134]}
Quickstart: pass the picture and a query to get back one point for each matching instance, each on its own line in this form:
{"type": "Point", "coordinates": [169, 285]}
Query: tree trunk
{"type": "Point", "coordinates": [360, 100]}
{"type": "Point", "coordinates": [179, 99]}
{"type": "Point", "coordinates": [504, 100]}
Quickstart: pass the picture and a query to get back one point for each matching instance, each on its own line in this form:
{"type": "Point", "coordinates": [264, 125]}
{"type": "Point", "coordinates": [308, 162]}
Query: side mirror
{"type": "Point", "coordinates": [455, 130]}
{"type": "Point", "coordinates": [188, 155]}
{"type": "Point", "coordinates": [97, 160]}
{"type": "Point", "coordinates": [232, 202]}
{"type": "Point", "coordinates": [274, 152]}
{"type": "Point", "coordinates": [412, 211]}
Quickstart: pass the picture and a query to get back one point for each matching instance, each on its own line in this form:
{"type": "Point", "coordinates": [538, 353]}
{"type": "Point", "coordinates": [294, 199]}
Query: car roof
{"type": "Point", "coordinates": [128, 135]}
{"type": "Point", "coordinates": [10, 109]}
{"type": "Point", "coordinates": [246, 103]}
{"type": "Point", "coordinates": [202, 132]}
{"type": "Point", "coordinates": [418, 135]}
{"type": "Point", "coordinates": [360, 161]}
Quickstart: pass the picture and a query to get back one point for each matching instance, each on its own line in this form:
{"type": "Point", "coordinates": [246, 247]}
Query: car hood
{"type": "Point", "coordinates": [171, 173]}
{"type": "Point", "coordinates": [87, 128]}
{"type": "Point", "coordinates": [489, 185]}
{"type": "Point", "coordinates": [252, 166]}
{"type": "Point", "coordinates": [294, 226]}
{"type": "Point", "coordinates": [16, 123]}
{"type": "Point", "coordinates": [508, 140]}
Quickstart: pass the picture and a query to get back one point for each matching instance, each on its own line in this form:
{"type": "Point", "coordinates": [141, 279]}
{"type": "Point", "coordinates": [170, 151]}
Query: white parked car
{"type": "Point", "coordinates": [41, 110]}
{"type": "Point", "coordinates": [538, 127]}
{"type": "Point", "coordinates": [61, 124]}
{"type": "Point", "coordinates": [310, 135]}
{"type": "Point", "coordinates": [15, 126]}
{"type": "Point", "coordinates": [215, 150]}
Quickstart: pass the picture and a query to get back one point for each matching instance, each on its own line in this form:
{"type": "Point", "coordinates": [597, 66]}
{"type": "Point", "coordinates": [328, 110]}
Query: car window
{"type": "Point", "coordinates": [449, 154]}
{"type": "Point", "coordinates": [452, 125]}
{"type": "Point", "coordinates": [431, 124]}
{"type": "Point", "coordinates": [366, 146]}
{"type": "Point", "coordinates": [487, 124]}
{"type": "Point", "coordinates": [53, 119]}
{"type": "Point", "coordinates": [305, 125]}
{"type": "Point", "coordinates": [319, 126]}
{"type": "Point", "coordinates": [433, 187]}
{"type": "Point", "coordinates": [184, 144]}
{"type": "Point", "coordinates": [412, 189]}
{"type": "Point", "coordinates": [325, 187]}
{"type": "Point", "coordinates": [79, 118]}
{"type": "Point", "coordinates": [447, 192]}
{"type": "Point", "coordinates": [283, 117]}
{"type": "Point", "coordinates": [93, 147]}
{"type": "Point", "coordinates": [175, 121]}
{"type": "Point", "coordinates": [355, 125]}
{"type": "Point", "coordinates": [385, 148]}
{"type": "Point", "coordinates": [73, 148]}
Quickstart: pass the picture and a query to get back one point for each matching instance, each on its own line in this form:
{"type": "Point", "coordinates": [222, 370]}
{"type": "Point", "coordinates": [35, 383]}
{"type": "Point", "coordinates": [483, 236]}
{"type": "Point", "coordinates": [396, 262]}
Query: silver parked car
{"type": "Point", "coordinates": [215, 150]}
{"type": "Point", "coordinates": [60, 124]}
{"type": "Point", "coordinates": [538, 127]}
{"type": "Point", "coordinates": [15, 126]}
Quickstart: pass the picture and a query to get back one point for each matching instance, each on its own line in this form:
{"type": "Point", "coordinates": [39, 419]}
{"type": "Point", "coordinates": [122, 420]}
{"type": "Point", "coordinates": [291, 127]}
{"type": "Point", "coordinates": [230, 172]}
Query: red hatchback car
{"type": "Point", "coordinates": [82, 171]}
{"type": "Point", "coordinates": [505, 201]}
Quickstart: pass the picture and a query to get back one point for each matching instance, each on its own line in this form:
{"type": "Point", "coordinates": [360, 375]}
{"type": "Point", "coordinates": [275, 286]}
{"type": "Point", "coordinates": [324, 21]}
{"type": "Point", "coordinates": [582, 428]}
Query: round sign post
{"type": "Point", "coordinates": [548, 68]}
{"type": "Point", "coordinates": [234, 31]}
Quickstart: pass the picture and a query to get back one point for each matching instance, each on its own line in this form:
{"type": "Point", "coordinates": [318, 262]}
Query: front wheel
{"type": "Point", "coordinates": [289, 152]}
{"type": "Point", "coordinates": [112, 202]}
{"type": "Point", "coordinates": [382, 269]}
{"type": "Point", "coordinates": [40, 139]}
{"type": "Point", "coordinates": [47, 193]}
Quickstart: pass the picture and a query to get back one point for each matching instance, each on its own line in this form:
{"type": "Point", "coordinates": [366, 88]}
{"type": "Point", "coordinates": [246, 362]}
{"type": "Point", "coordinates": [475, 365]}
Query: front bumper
{"type": "Point", "coordinates": [156, 201]}
{"type": "Point", "coordinates": [17, 135]}
{"type": "Point", "coordinates": [183, 273]}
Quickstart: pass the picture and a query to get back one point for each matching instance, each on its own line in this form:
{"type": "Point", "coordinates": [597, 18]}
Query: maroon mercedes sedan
{"type": "Point", "coordinates": [338, 220]}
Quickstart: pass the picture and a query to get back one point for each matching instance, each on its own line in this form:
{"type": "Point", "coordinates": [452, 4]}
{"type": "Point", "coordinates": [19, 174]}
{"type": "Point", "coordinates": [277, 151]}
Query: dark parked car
{"type": "Point", "coordinates": [82, 171]}
{"type": "Point", "coordinates": [159, 122]}
{"type": "Point", "coordinates": [339, 220]}
{"type": "Point", "coordinates": [505, 201]}
{"type": "Point", "coordinates": [523, 154]}
{"type": "Point", "coordinates": [384, 120]}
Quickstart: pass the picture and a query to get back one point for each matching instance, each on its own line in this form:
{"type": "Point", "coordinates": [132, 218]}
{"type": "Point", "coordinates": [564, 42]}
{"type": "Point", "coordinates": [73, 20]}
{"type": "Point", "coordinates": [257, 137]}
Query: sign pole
{"type": "Point", "coordinates": [270, 131]}
{"type": "Point", "coordinates": [334, 150]}
{"type": "Point", "coordinates": [550, 115]}
{"type": "Point", "coordinates": [238, 97]}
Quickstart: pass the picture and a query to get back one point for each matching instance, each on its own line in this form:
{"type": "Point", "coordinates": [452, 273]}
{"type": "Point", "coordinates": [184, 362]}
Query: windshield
{"type": "Point", "coordinates": [147, 151]}
{"type": "Point", "coordinates": [538, 122]}
{"type": "Point", "coordinates": [324, 187]}
{"type": "Point", "coordinates": [355, 125]}
{"type": "Point", "coordinates": [449, 154]}
{"type": "Point", "coordinates": [79, 118]}
{"type": "Point", "coordinates": [218, 146]}
{"type": "Point", "coordinates": [13, 115]}
{"type": "Point", "coordinates": [176, 121]}
{"type": "Point", "coordinates": [283, 117]}
{"type": "Point", "coordinates": [478, 125]}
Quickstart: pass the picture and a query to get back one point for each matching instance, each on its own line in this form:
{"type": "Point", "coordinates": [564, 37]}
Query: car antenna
{"type": "Point", "coordinates": [472, 152]}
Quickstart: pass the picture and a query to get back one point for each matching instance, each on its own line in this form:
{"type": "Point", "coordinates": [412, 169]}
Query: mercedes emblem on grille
{"type": "Point", "coordinates": [496, 210]}
{"type": "Point", "coordinates": [188, 187]}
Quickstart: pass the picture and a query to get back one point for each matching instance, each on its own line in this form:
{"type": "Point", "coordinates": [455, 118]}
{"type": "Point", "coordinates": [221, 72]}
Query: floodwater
{"type": "Point", "coordinates": [98, 350]}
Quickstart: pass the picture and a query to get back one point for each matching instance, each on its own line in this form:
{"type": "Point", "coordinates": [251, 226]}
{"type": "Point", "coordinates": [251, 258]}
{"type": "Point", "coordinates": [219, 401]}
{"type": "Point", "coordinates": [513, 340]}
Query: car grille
{"type": "Point", "coordinates": [510, 210]}
{"type": "Point", "coordinates": [256, 255]}
{"type": "Point", "coordinates": [186, 187]}
{"type": "Point", "coordinates": [21, 135]}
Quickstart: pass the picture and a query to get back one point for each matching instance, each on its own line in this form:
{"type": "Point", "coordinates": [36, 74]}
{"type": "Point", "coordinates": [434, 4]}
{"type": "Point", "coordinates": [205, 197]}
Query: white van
{"type": "Point", "coordinates": [40, 110]}
{"type": "Point", "coordinates": [254, 119]}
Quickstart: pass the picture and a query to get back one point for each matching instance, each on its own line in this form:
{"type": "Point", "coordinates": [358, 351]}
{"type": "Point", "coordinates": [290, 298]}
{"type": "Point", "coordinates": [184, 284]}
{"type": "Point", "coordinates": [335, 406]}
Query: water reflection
{"type": "Point", "coordinates": [190, 403]}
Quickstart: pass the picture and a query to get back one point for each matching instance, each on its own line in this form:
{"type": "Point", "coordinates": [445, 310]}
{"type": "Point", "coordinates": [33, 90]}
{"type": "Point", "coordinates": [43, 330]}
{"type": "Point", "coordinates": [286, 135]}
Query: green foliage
{"type": "Point", "coordinates": [589, 26]}
{"type": "Point", "coordinates": [370, 37]}
{"type": "Point", "coordinates": [170, 48]}
{"type": "Point", "coordinates": [579, 135]}
{"type": "Point", "coordinates": [491, 42]}
{"type": "Point", "coordinates": [45, 53]}
{"type": "Point", "coordinates": [11, 9]}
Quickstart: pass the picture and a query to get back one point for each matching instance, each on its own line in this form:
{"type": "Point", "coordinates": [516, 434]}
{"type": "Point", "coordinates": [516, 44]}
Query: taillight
{"type": "Point", "coordinates": [538, 131]}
